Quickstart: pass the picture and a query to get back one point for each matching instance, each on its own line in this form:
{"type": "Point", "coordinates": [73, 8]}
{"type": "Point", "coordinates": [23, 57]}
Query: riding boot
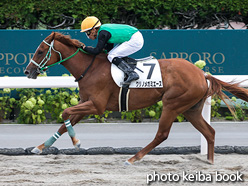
{"type": "Point", "coordinates": [131, 74]}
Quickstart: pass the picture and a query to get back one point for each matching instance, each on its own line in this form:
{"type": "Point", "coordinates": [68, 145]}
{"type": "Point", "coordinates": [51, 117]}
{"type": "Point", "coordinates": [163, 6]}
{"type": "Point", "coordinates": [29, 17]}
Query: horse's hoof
{"type": "Point", "coordinates": [77, 145]}
{"type": "Point", "coordinates": [211, 162]}
{"type": "Point", "coordinates": [127, 163]}
{"type": "Point", "coordinates": [36, 151]}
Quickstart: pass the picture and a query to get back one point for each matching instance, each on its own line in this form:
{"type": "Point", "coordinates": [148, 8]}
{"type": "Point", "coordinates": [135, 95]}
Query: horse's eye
{"type": "Point", "coordinates": [40, 52]}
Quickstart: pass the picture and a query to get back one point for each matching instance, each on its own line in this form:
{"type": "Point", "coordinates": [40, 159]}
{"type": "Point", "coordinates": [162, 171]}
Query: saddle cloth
{"type": "Point", "coordinates": [148, 70]}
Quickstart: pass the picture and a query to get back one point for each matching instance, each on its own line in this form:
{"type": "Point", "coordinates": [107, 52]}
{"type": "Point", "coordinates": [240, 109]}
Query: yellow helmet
{"type": "Point", "coordinates": [90, 22]}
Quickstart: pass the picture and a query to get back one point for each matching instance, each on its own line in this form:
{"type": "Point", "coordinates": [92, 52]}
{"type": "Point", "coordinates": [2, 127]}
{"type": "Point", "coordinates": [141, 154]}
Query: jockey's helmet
{"type": "Point", "coordinates": [89, 23]}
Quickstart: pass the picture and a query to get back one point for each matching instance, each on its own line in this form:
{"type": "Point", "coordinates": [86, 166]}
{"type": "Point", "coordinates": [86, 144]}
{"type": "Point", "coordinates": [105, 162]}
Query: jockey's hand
{"type": "Point", "coordinates": [83, 46]}
{"type": "Point", "coordinates": [104, 51]}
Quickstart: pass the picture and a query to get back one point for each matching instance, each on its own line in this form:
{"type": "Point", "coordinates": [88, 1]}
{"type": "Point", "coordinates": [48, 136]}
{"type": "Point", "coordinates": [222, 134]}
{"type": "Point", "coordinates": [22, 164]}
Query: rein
{"type": "Point", "coordinates": [61, 61]}
{"type": "Point", "coordinates": [42, 67]}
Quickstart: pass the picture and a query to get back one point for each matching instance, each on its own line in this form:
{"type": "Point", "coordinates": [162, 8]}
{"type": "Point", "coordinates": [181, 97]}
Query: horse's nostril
{"type": "Point", "coordinates": [26, 72]}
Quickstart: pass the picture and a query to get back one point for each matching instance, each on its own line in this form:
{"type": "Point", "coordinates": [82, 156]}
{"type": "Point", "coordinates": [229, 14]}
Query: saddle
{"type": "Point", "coordinates": [149, 72]}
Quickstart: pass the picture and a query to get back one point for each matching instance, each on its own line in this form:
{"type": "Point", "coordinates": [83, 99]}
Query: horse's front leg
{"type": "Point", "coordinates": [85, 108]}
{"type": "Point", "coordinates": [73, 119]}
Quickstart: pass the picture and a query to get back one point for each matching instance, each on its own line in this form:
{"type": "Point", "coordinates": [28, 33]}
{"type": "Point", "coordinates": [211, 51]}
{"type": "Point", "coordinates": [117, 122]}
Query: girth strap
{"type": "Point", "coordinates": [123, 98]}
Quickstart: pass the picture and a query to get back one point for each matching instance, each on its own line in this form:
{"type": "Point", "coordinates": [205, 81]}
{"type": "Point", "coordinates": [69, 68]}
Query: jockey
{"type": "Point", "coordinates": [128, 39]}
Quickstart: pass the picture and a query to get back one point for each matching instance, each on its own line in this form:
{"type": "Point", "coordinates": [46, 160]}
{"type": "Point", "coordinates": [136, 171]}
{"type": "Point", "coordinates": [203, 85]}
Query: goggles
{"type": "Point", "coordinates": [88, 32]}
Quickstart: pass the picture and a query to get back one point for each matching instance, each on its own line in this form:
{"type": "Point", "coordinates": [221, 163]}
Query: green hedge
{"type": "Point", "coordinates": [145, 14]}
{"type": "Point", "coordinates": [37, 106]}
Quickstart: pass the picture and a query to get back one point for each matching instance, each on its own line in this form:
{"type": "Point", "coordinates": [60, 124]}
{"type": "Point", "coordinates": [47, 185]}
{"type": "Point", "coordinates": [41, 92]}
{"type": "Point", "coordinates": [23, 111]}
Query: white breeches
{"type": "Point", "coordinates": [127, 48]}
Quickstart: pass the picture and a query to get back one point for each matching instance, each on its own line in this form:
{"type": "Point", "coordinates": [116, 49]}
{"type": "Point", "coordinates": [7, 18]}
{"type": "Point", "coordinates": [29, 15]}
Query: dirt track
{"type": "Point", "coordinates": [109, 169]}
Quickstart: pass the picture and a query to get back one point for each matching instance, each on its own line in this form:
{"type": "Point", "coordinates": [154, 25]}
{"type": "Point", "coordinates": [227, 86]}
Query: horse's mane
{"type": "Point", "coordinates": [66, 39]}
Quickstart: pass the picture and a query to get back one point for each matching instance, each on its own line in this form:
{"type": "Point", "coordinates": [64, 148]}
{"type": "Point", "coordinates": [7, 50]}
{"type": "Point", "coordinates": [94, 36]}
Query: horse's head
{"type": "Point", "coordinates": [44, 55]}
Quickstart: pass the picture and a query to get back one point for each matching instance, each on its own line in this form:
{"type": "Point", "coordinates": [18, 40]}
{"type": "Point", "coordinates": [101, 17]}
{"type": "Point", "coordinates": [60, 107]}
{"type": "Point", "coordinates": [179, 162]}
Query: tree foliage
{"type": "Point", "coordinates": [144, 14]}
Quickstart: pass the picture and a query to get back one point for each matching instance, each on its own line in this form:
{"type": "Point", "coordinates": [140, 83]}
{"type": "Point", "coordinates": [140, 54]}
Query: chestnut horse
{"type": "Point", "coordinates": [185, 90]}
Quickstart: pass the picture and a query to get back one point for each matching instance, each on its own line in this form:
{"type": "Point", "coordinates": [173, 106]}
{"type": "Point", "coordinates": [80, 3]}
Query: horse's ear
{"type": "Point", "coordinates": [50, 37]}
{"type": "Point", "coordinates": [53, 35]}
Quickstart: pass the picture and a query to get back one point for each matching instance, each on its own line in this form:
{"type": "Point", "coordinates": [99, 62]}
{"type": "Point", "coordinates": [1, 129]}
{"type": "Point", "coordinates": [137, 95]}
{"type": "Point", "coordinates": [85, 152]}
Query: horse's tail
{"type": "Point", "coordinates": [217, 86]}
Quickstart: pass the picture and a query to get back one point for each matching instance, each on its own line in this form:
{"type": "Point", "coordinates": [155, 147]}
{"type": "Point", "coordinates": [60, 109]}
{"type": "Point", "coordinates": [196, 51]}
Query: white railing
{"type": "Point", "coordinates": [40, 82]}
{"type": "Point", "coordinates": [68, 81]}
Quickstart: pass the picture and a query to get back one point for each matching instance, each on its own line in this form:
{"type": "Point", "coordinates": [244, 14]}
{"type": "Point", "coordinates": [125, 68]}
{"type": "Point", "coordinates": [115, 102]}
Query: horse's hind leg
{"type": "Point", "coordinates": [165, 123]}
{"type": "Point", "coordinates": [74, 119]}
{"type": "Point", "coordinates": [194, 115]}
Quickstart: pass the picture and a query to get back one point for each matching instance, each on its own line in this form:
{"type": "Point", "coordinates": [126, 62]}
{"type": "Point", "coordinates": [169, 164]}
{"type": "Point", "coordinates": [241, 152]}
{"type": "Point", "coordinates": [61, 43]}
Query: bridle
{"type": "Point", "coordinates": [41, 66]}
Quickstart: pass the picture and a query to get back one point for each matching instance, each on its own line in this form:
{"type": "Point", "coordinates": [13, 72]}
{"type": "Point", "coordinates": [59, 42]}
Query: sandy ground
{"type": "Point", "coordinates": [110, 170]}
